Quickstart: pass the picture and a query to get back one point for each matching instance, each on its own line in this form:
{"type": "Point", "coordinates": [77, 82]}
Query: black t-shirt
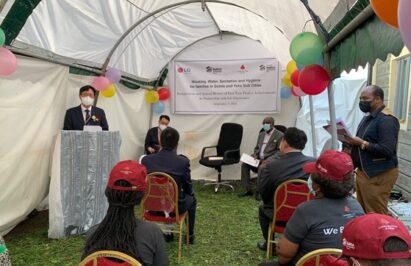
{"type": "Point", "coordinates": [318, 223]}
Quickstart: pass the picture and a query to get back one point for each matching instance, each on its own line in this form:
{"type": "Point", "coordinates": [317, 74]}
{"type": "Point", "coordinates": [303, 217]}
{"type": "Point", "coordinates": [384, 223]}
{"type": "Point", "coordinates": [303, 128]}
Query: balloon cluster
{"type": "Point", "coordinates": [395, 13]}
{"type": "Point", "coordinates": [157, 98]}
{"type": "Point", "coordinates": [8, 61]}
{"type": "Point", "coordinates": [305, 74]}
{"type": "Point", "coordinates": [105, 84]}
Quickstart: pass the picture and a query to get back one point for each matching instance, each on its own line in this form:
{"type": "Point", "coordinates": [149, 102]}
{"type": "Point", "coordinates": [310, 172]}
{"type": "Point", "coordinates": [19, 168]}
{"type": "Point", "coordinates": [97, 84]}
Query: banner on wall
{"type": "Point", "coordinates": [226, 86]}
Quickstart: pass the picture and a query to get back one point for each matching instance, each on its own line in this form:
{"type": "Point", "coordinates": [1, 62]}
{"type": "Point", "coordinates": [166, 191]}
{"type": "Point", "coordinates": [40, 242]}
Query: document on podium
{"type": "Point", "coordinates": [342, 131]}
{"type": "Point", "coordinates": [245, 158]}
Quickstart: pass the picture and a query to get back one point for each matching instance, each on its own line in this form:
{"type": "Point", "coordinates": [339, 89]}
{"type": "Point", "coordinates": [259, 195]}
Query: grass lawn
{"type": "Point", "coordinates": [227, 231]}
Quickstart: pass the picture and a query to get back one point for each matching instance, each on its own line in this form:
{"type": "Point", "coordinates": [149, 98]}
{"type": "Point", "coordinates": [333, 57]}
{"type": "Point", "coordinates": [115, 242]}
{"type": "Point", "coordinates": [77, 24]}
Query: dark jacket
{"type": "Point", "coordinates": [152, 140]}
{"type": "Point", "coordinates": [273, 146]}
{"type": "Point", "coordinates": [74, 118]}
{"type": "Point", "coordinates": [380, 129]}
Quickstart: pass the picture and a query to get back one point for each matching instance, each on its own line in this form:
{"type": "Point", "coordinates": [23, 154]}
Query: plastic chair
{"type": "Point", "coordinates": [160, 205]}
{"type": "Point", "coordinates": [324, 256]}
{"type": "Point", "coordinates": [228, 152]}
{"type": "Point", "coordinates": [99, 258]}
{"type": "Point", "coordinates": [287, 197]}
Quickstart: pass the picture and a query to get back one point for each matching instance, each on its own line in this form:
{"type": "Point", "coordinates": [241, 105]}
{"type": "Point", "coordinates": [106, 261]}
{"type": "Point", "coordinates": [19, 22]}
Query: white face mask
{"type": "Point", "coordinates": [87, 101]}
{"type": "Point", "coordinates": [162, 127]}
{"type": "Point", "coordinates": [310, 185]}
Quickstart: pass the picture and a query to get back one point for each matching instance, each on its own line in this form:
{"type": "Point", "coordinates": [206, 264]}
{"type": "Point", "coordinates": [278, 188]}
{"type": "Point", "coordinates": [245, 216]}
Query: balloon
{"type": "Point", "coordinates": [306, 48]}
{"type": "Point", "coordinates": [404, 21]}
{"type": "Point", "coordinates": [294, 77]}
{"type": "Point", "coordinates": [387, 11]}
{"type": "Point", "coordinates": [109, 92]}
{"type": "Point", "coordinates": [100, 83]}
{"type": "Point", "coordinates": [285, 93]}
{"type": "Point", "coordinates": [313, 79]}
{"type": "Point", "coordinates": [163, 93]}
{"type": "Point", "coordinates": [296, 91]}
{"type": "Point", "coordinates": [291, 66]}
{"type": "Point", "coordinates": [287, 80]}
{"type": "Point", "coordinates": [8, 62]}
{"type": "Point", "coordinates": [113, 74]}
{"type": "Point", "coordinates": [151, 96]}
{"type": "Point", "coordinates": [158, 107]}
{"type": "Point", "coordinates": [2, 37]}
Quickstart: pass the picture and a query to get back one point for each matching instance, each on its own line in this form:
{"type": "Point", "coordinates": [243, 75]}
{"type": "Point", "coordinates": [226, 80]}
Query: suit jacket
{"type": "Point", "coordinates": [273, 146]}
{"type": "Point", "coordinates": [152, 140]}
{"type": "Point", "coordinates": [74, 118]}
{"type": "Point", "coordinates": [177, 166]}
{"type": "Point", "coordinates": [288, 166]}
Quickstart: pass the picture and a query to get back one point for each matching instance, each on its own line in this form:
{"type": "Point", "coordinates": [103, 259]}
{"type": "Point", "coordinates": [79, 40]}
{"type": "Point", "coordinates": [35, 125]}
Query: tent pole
{"type": "Point", "coordinates": [313, 134]}
{"type": "Point", "coordinates": [333, 119]}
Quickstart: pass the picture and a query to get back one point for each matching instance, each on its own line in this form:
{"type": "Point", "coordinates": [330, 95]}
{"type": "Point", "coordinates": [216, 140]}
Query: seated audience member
{"type": "Point", "coordinates": [4, 254]}
{"type": "Point", "coordinates": [318, 223]}
{"type": "Point", "coordinates": [85, 114]}
{"type": "Point", "coordinates": [376, 240]}
{"type": "Point", "coordinates": [288, 166]}
{"type": "Point", "coordinates": [120, 230]}
{"type": "Point", "coordinates": [267, 148]}
{"type": "Point", "coordinates": [178, 167]}
{"type": "Point", "coordinates": [152, 142]}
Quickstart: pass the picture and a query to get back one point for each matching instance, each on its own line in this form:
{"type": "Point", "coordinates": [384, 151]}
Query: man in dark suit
{"type": "Point", "coordinates": [152, 144]}
{"type": "Point", "coordinates": [267, 148]}
{"type": "Point", "coordinates": [178, 167]}
{"type": "Point", "coordinates": [85, 114]}
{"type": "Point", "coordinates": [288, 166]}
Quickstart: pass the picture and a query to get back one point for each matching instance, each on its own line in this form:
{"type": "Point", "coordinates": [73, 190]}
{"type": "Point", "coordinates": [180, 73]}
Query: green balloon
{"type": "Point", "coordinates": [306, 48]}
{"type": "Point", "coordinates": [2, 37]}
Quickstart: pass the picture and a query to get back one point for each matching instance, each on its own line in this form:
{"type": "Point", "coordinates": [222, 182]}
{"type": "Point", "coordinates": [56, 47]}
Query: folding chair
{"type": "Point", "coordinates": [287, 197]}
{"type": "Point", "coordinates": [100, 258]}
{"type": "Point", "coordinates": [324, 256]}
{"type": "Point", "coordinates": [160, 205]}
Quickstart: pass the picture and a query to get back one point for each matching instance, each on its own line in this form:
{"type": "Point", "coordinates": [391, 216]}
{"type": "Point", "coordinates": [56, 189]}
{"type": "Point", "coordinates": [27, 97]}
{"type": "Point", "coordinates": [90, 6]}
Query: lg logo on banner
{"type": "Point", "coordinates": [183, 70]}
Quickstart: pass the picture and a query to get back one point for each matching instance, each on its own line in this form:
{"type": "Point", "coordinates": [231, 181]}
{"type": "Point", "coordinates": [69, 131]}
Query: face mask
{"type": "Point", "coordinates": [365, 106]}
{"type": "Point", "coordinates": [162, 127]}
{"type": "Point", "coordinates": [87, 101]}
{"type": "Point", "coordinates": [310, 185]}
{"type": "Point", "coordinates": [266, 127]}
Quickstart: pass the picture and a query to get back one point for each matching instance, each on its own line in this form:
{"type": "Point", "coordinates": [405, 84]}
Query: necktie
{"type": "Point", "coordinates": [87, 115]}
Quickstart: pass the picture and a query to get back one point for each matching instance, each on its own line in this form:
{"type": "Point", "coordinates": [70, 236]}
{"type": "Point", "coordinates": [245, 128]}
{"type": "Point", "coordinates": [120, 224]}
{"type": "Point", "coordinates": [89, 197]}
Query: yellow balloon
{"type": "Point", "coordinates": [287, 80]}
{"type": "Point", "coordinates": [109, 92]}
{"type": "Point", "coordinates": [151, 96]}
{"type": "Point", "coordinates": [291, 66]}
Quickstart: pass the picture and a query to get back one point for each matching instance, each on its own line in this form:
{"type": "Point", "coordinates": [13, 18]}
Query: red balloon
{"type": "Point", "coordinates": [294, 77]}
{"type": "Point", "coordinates": [163, 93]}
{"type": "Point", "coordinates": [313, 79]}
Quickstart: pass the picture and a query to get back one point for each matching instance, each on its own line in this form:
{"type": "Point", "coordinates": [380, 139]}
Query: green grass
{"type": "Point", "coordinates": [227, 231]}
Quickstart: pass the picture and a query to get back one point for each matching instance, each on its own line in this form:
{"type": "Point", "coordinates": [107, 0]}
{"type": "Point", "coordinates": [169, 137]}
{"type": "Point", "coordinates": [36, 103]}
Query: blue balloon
{"type": "Point", "coordinates": [158, 107]}
{"type": "Point", "coordinates": [285, 93]}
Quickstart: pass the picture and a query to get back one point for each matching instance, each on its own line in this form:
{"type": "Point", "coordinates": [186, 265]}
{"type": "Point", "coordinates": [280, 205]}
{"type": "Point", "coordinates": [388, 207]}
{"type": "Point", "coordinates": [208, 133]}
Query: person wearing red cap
{"type": "Point", "coordinates": [376, 240]}
{"type": "Point", "coordinates": [318, 223]}
{"type": "Point", "coordinates": [120, 230]}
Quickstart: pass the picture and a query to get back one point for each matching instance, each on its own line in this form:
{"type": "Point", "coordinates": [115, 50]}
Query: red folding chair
{"type": "Point", "coordinates": [287, 197]}
{"type": "Point", "coordinates": [160, 205]}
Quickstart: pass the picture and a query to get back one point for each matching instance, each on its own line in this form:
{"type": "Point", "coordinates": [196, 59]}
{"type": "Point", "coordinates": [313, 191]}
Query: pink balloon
{"type": "Point", "coordinates": [101, 83]}
{"type": "Point", "coordinates": [404, 22]}
{"type": "Point", "coordinates": [296, 91]}
{"type": "Point", "coordinates": [113, 74]}
{"type": "Point", "coordinates": [313, 79]}
{"type": "Point", "coordinates": [8, 62]}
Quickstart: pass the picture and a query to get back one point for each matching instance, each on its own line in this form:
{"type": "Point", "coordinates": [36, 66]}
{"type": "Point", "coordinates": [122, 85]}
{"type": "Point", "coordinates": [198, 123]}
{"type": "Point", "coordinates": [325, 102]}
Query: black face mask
{"type": "Point", "coordinates": [365, 106]}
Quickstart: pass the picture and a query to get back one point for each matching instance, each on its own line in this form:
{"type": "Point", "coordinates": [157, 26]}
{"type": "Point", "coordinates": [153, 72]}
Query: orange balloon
{"type": "Point", "coordinates": [387, 11]}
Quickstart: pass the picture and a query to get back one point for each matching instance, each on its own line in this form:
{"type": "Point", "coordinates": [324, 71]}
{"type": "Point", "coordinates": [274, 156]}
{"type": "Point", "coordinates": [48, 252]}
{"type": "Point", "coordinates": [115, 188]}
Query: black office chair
{"type": "Point", "coordinates": [228, 151]}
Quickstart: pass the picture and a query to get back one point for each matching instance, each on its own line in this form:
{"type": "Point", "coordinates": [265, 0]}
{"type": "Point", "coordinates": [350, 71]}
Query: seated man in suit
{"type": "Point", "coordinates": [288, 166]}
{"type": "Point", "coordinates": [85, 114]}
{"type": "Point", "coordinates": [267, 147]}
{"type": "Point", "coordinates": [178, 167]}
{"type": "Point", "coordinates": [152, 144]}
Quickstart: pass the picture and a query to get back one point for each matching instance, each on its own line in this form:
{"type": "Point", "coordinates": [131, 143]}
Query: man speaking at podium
{"type": "Point", "coordinates": [85, 114]}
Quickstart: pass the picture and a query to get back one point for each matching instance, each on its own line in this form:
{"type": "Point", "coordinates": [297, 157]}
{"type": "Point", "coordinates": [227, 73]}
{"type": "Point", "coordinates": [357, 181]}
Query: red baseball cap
{"type": "Point", "coordinates": [332, 164]}
{"type": "Point", "coordinates": [130, 171]}
{"type": "Point", "coordinates": [364, 237]}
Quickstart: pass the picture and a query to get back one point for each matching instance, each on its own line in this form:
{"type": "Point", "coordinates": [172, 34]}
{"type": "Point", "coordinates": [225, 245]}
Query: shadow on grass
{"type": "Point", "coordinates": [227, 231]}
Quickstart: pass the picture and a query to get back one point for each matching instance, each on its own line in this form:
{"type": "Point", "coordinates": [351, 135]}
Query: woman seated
{"type": "Point", "coordinates": [120, 230]}
{"type": "Point", "coordinates": [318, 223]}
